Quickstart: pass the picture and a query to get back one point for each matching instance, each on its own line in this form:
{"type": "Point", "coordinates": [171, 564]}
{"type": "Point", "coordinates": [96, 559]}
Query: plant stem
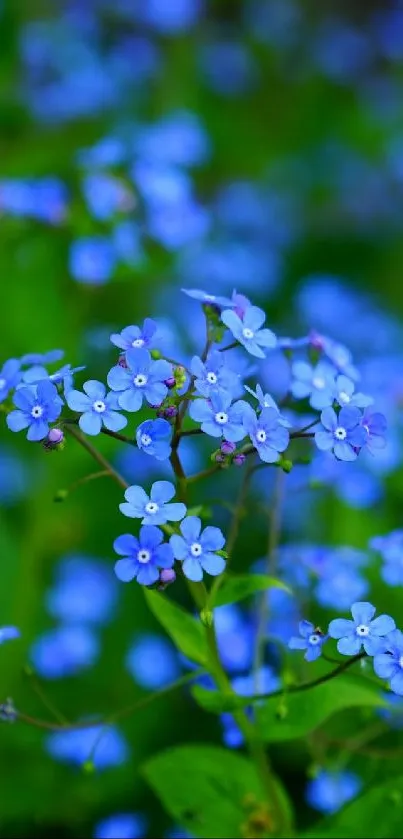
{"type": "Point", "coordinates": [308, 685]}
{"type": "Point", "coordinates": [96, 455]}
{"type": "Point", "coordinates": [205, 473]}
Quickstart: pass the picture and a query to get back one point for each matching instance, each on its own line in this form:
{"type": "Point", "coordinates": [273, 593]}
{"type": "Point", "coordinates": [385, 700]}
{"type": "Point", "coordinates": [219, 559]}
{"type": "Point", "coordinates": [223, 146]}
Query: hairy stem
{"type": "Point", "coordinates": [96, 455]}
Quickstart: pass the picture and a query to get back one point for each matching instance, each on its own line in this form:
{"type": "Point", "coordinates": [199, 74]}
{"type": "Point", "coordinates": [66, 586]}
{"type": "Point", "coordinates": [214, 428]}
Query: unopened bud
{"type": "Point", "coordinates": [207, 617]}
{"type": "Point", "coordinates": [170, 412]}
{"type": "Point", "coordinates": [170, 383]}
{"type": "Point", "coordinates": [122, 361]}
{"type": "Point", "coordinates": [56, 435]}
{"type": "Point", "coordinates": [180, 376]}
{"type": "Point", "coordinates": [219, 457]}
{"type": "Point", "coordinates": [239, 459]}
{"type": "Point", "coordinates": [167, 577]}
{"type": "Point", "coordinates": [227, 447]}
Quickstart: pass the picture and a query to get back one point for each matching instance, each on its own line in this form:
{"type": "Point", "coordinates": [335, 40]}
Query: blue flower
{"type": "Point", "coordinates": [340, 586]}
{"type": "Point", "coordinates": [135, 337]}
{"type": "Point", "coordinates": [316, 382]}
{"type": "Point", "coordinates": [85, 591]}
{"type": "Point", "coordinates": [152, 661]}
{"type": "Point", "coordinates": [362, 631]}
{"type": "Point", "coordinates": [388, 663]}
{"type": "Point", "coordinates": [10, 376]}
{"type": "Point", "coordinates": [344, 433]}
{"type": "Point", "coordinates": [311, 640]}
{"type": "Point", "coordinates": [143, 556]}
{"type": "Point", "coordinates": [218, 417]}
{"type": "Point", "coordinates": [345, 395]}
{"type": "Point", "coordinates": [154, 438]}
{"type": "Point", "coordinates": [213, 376]}
{"type": "Point", "coordinates": [103, 745]}
{"type": "Point", "coordinates": [38, 373]}
{"type": "Point", "coordinates": [37, 407]}
{"type": "Point", "coordinates": [265, 680]}
{"type": "Point", "coordinates": [152, 509]}
{"type": "Point", "coordinates": [267, 433]}
{"type": "Point", "coordinates": [92, 260]}
{"type": "Point", "coordinates": [196, 549]}
{"type": "Point", "coordinates": [65, 651]}
{"type": "Point", "coordinates": [248, 332]}
{"type": "Point", "coordinates": [375, 425]}
{"type": "Point", "coordinates": [141, 379]}
{"type": "Point", "coordinates": [8, 633]}
{"type": "Point", "coordinates": [390, 547]}
{"type": "Point", "coordinates": [267, 401]}
{"type": "Point", "coordinates": [121, 826]}
{"type": "Point", "coordinates": [329, 791]}
{"type": "Point", "coordinates": [42, 358]}
{"type": "Point", "coordinates": [209, 299]}
{"type": "Point", "coordinates": [98, 409]}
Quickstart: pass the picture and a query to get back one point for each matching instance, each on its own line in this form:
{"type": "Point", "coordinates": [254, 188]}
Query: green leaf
{"type": "Point", "coordinates": [186, 632]}
{"type": "Point", "coordinates": [212, 792]}
{"type": "Point", "coordinates": [293, 715]}
{"type": "Point", "coordinates": [377, 812]}
{"type": "Point", "coordinates": [241, 586]}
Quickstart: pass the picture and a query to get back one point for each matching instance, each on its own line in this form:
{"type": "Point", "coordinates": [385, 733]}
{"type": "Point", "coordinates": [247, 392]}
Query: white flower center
{"type": "Point", "coordinates": [314, 639]}
{"type": "Point", "coordinates": [211, 378]}
{"type": "Point", "coordinates": [3, 383]}
{"type": "Point", "coordinates": [151, 508]}
{"type": "Point", "coordinates": [138, 342]}
{"type": "Point", "coordinates": [99, 406]}
{"type": "Point", "coordinates": [248, 333]}
{"type": "Point", "coordinates": [143, 556]}
{"type": "Point", "coordinates": [362, 629]}
{"type": "Point", "coordinates": [318, 382]}
{"type": "Point", "coordinates": [340, 433]}
{"type": "Point", "coordinates": [196, 549]}
{"type": "Point", "coordinates": [221, 418]}
{"type": "Point", "coordinates": [344, 397]}
{"type": "Point", "coordinates": [36, 412]}
{"type": "Point", "coordinates": [140, 380]}
{"type": "Point", "coordinates": [261, 436]}
{"type": "Point", "coordinates": [145, 440]}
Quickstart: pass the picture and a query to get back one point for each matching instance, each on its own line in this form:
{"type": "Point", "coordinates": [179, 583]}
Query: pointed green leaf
{"type": "Point", "coordinates": [241, 586]}
{"type": "Point", "coordinates": [186, 632]}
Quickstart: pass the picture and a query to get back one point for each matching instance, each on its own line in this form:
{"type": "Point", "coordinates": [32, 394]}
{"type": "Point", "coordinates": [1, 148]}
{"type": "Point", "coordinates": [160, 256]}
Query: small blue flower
{"type": "Point", "coordinates": [213, 376]}
{"type": "Point", "coordinates": [340, 586]}
{"type": "Point", "coordinates": [85, 591]}
{"type": "Point", "coordinates": [97, 408]}
{"type": "Point", "coordinates": [8, 633]}
{"type": "Point", "coordinates": [65, 651]}
{"type": "Point", "coordinates": [42, 358]}
{"type": "Point", "coordinates": [154, 438]}
{"type": "Point", "coordinates": [267, 433]}
{"type": "Point", "coordinates": [311, 640]}
{"type": "Point", "coordinates": [218, 417]}
{"type": "Point", "coordinates": [267, 401]}
{"type": "Point", "coordinates": [143, 557]}
{"type": "Point", "coordinates": [248, 330]}
{"type": "Point", "coordinates": [265, 680]}
{"type": "Point", "coordinates": [196, 549]}
{"type": "Point", "coordinates": [390, 547]}
{"type": "Point", "coordinates": [135, 337]}
{"type": "Point", "coordinates": [38, 373]}
{"type": "Point", "coordinates": [92, 260]}
{"type": "Point", "coordinates": [388, 662]}
{"type": "Point", "coordinates": [10, 376]}
{"type": "Point", "coordinates": [316, 382]}
{"type": "Point", "coordinates": [121, 826]}
{"type": "Point", "coordinates": [141, 379]}
{"type": "Point", "coordinates": [152, 661]}
{"type": "Point", "coordinates": [210, 299]}
{"type": "Point", "coordinates": [362, 631]}
{"type": "Point", "coordinates": [375, 425]}
{"type": "Point", "coordinates": [329, 791]}
{"type": "Point", "coordinates": [104, 745]}
{"type": "Point", "coordinates": [37, 407]}
{"type": "Point", "coordinates": [152, 509]}
{"type": "Point", "coordinates": [345, 395]}
{"type": "Point", "coordinates": [343, 433]}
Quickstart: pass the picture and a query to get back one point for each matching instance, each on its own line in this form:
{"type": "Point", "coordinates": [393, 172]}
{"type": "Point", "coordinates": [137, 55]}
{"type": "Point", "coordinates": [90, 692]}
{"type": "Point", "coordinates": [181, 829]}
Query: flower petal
{"type": "Point", "coordinates": [350, 645]}
{"type": "Point", "coordinates": [340, 627]}
{"type": "Point", "coordinates": [175, 511]}
{"type": "Point", "coordinates": [212, 563]}
{"type": "Point", "coordinates": [78, 401]}
{"type": "Point", "coordinates": [363, 612]}
{"type": "Point", "coordinates": [192, 570]}
{"type": "Point", "coordinates": [17, 420]}
{"type": "Point", "coordinates": [126, 569]}
{"type": "Point", "coordinates": [384, 665]}
{"type": "Point", "coordinates": [126, 545]}
{"type": "Point", "coordinates": [212, 539]}
{"type": "Point", "coordinates": [162, 491]}
{"type": "Point", "coordinates": [382, 625]}
{"type": "Point", "coordinates": [179, 547]}
{"type": "Point", "coordinates": [147, 575]}
{"type": "Point", "coordinates": [90, 423]}
{"type": "Point", "coordinates": [190, 528]}
{"type": "Point", "coordinates": [94, 389]}
{"type": "Point", "coordinates": [296, 643]}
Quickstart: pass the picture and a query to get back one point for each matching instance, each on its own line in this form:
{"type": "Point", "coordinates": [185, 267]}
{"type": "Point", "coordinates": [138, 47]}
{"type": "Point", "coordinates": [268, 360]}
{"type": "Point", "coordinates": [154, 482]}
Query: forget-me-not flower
{"type": "Point", "coordinates": [143, 557]}
{"type": "Point", "coordinates": [362, 631]}
{"type": "Point", "coordinates": [343, 433]}
{"type": "Point", "coordinates": [196, 549]}
{"type": "Point", "coordinates": [267, 401]}
{"type": "Point", "coordinates": [218, 417]}
{"type": "Point", "coordinates": [37, 405]}
{"type": "Point", "coordinates": [329, 791]}
{"type": "Point", "coordinates": [121, 826]}
{"type": "Point", "coordinates": [213, 375]}
{"type": "Point", "coordinates": [311, 640]}
{"type": "Point", "coordinates": [155, 508]}
{"type": "Point", "coordinates": [248, 330]}
{"type": "Point", "coordinates": [141, 379]}
{"type": "Point", "coordinates": [388, 662]}
{"type": "Point", "coordinates": [344, 393]}
{"type": "Point", "coordinates": [135, 337]}
{"type": "Point", "coordinates": [267, 433]}
{"type": "Point", "coordinates": [97, 408]}
{"type": "Point", "coordinates": [8, 633]}
{"type": "Point", "coordinates": [154, 438]}
{"type": "Point", "coordinates": [316, 382]}
{"type": "Point", "coordinates": [10, 376]}
{"type": "Point", "coordinates": [375, 426]}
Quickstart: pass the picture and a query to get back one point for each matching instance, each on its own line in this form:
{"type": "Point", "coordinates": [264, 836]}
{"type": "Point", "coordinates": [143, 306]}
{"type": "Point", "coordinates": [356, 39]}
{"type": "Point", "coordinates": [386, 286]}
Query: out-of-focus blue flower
{"type": "Point", "coordinates": [154, 508]}
{"type": "Point", "coordinates": [10, 376]}
{"type": "Point", "coordinates": [8, 633]}
{"type": "Point", "coordinates": [140, 379]}
{"type": "Point", "coordinates": [344, 394]}
{"type": "Point", "coordinates": [13, 477]}
{"type": "Point", "coordinates": [135, 337]}
{"type": "Point", "coordinates": [248, 330]}
{"type": "Point", "coordinates": [127, 242]}
{"type": "Point", "coordinates": [44, 199]}
{"type": "Point", "coordinates": [143, 557]}
{"type": "Point", "coordinates": [197, 549]}
{"type": "Point", "coordinates": [65, 651]}
{"type": "Point", "coordinates": [340, 51]}
{"type": "Point", "coordinates": [85, 591]}
{"type": "Point", "coordinates": [92, 260]}
{"type": "Point", "coordinates": [154, 438]}
{"type": "Point", "coordinates": [267, 433]}
{"type": "Point", "coordinates": [169, 18]}
{"type": "Point", "coordinates": [225, 263]}
{"type": "Point", "coordinates": [228, 67]}
{"type": "Point", "coordinates": [178, 139]}
{"type": "Point", "coordinates": [393, 715]}
{"type": "Point", "coordinates": [329, 791]}
{"type": "Point", "coordinates": [284, 614]}
{"type": "Point", "coordinates": [274, 22]}
{"type": "Point", "coordinates": [213, 375]}
{"type": "Point", "coordinates": [209, 299]}
{"type": "Point", "coordinates": [218, 417]}
{"type": "Point", "coordinates": [339, 586]}
{"type": "Point", "coordinates": [344, 433]}
{"type": "Point", "coordinates": [161, 185]}
{"type": "Point", "coordinates": [104, 746]}
{"type": "Point", "coordinates": [387, 31]}
{"type": "Point", "coordinates": [178, 832]}
{"type": "Point", "coordinates": [97, 408]}
{"type": "Point", "coordinates": [234, 638]}
{"type": "Point", "coordinates": [152, 661]}
{"type": "Point", "coordinates": [106, 195]}
{"type": "Point", "coordinates": [42, 358]}
{"type": "Point", "coordinates": [311, 641]}
{"type": "Point", "coordinates": [390, 547]}
{"type": "Point", "coordinates": [176, 225]}
{"type": "Point", "coordinates": [110, 151]}
{"type": "Point", "coordinates": [362, 631]}
{"type": "Point", "coordinates": [388, 663]}
{"type": "Point", "coordinates": [375, 425]}
{"type": "Point", "coordinates": [267, 401]}
{"type": "Point", "coordinates": [264, 681]}
{"type": "Point", "coordinates": [121, 826]}
{"type": "Point", "coordinates": [316, 382]}
{"type": "Point", "coordinates": [37, 407]}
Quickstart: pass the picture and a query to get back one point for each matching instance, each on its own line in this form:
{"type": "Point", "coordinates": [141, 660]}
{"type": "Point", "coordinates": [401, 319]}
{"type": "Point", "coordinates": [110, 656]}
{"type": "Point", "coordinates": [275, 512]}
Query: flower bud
{"type": "Point", "coordinates": [167, 577]}
{"type": "Point", "coordinates": [170, 412]}
{"type": "Point", "coordinates": [122, 361]}
{"type": "Point", "coordinates": [227, 447]}
{"type": "Point", "coordinates": [219, 457]}
{"type": "Point", "coordinates": [207, 617]}
{"type": "Point", "coordinates": [170, 383]}
{"type": "Point", "coordinates": [180, 376]}
{"type": "Point", "coordinates": [239, 459]}
{"type": "Point", "coordinates": [56, 435]}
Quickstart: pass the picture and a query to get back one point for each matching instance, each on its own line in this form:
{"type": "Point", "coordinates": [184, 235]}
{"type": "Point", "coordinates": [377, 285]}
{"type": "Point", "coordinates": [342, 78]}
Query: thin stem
{"type": "Point", "coordinates": [37, 688]}
{"type": "Point", "coordinates": [229, 347]}
{"type": "Point", "coordinates": [96, 455]}
{"type": "Point", "coordinates": [305, 428]}
{"type": "Point", "coordinates": [308, 685]}
{"type": "Point", "coordinates": [67, 423]}
{"type": "Point", "coordinates": [205, 473]}
{"type": "Point", "coordinates": [93, 476]}
{"type": "Point", "coordinates": [239, 508]}
{"type": "Point", "coordinates": [190, 432]}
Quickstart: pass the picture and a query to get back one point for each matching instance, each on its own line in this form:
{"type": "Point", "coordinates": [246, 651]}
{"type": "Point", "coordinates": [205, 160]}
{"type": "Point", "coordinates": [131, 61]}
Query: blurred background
{"type": "Point", "coordinates": [147, 146]}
